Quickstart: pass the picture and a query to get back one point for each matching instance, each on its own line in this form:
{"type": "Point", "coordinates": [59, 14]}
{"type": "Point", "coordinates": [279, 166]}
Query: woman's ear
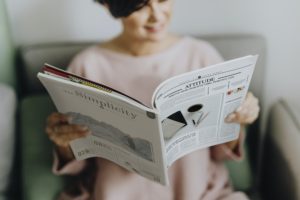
{"type": "Point", "coordinates": [106, 6]}
{"type": "Point", "coordinates": [102, 3]}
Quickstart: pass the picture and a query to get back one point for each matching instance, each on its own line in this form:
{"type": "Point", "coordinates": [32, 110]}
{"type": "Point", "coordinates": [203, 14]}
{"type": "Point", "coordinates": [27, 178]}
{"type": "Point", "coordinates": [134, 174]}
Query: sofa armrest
{"type": "Point", "coordinates": [38, 182]}
{"type": "Point", "coordinates": [7, 135]}
{"type": "Point", "coordinates": [281, 173]}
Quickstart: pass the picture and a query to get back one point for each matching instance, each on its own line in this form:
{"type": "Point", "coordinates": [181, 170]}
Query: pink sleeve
{"type": "Point", "coordinates": [71, 168]}
{"type": "Point", "coordinates": [76, 66]}
{"type": "Point", "coordinates": [222, 152]}
{"type": "Point", "coordinates": [212, 56]}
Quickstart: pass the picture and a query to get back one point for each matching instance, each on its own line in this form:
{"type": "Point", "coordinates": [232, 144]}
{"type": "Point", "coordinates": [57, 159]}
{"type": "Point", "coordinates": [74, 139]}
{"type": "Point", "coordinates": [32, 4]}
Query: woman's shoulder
{"type": "Point", "coordinates": [199, 43]}
{"type": "Point", "coordinates": [89, 57]}
{"type": "Point", "coordinates": [204, 49]}
{"type": "Point", "coordinates": [91, 52]}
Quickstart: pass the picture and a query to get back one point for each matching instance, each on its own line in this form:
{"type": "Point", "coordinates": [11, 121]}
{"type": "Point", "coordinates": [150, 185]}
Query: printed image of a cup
{"type": "Point", "coordinates": [195, 114]}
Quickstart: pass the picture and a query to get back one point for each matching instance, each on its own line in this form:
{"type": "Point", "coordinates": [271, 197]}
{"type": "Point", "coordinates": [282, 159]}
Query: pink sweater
{"type": "Point", "coordinates": [199, 175]}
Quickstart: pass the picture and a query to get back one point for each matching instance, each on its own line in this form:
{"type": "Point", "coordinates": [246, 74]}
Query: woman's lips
{"type": "Point", "coordinates": [154, 29]}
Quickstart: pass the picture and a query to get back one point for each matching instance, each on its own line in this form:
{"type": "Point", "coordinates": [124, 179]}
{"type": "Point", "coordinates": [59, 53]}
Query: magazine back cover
{"type": "Point", "coordinates": [122, 132]}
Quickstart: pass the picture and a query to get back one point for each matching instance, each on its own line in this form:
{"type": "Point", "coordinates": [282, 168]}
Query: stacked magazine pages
{"type": "Point", "coordinates": [187, 114]}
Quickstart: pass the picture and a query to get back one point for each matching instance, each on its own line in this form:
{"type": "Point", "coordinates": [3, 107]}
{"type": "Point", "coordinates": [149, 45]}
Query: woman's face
{"type": "Point", "coordinates": [149, 23]}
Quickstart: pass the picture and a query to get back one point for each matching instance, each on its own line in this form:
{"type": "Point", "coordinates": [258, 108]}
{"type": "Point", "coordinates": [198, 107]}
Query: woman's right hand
{"type": "Point", "coordinates": [61, 133]}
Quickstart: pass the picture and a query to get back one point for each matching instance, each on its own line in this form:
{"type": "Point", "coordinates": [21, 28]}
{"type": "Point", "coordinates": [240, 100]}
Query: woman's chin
{"type": "Point", "coordinates": [156, 37]}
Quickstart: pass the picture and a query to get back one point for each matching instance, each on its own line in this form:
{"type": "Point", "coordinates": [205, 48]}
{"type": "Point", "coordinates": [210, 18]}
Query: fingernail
{"type": "Point", "coordinates": [69, 118]}
{"type": "Point", "coordinates": [89, 133]}
{"type": "Point", "coordinates": [84, 128]}
{"type": "Point", "coordinates": [245, 111]}
{"type": "Point", "coordinates": [230, 117]}
{"type": "Point", "coordinates": [239, 109]}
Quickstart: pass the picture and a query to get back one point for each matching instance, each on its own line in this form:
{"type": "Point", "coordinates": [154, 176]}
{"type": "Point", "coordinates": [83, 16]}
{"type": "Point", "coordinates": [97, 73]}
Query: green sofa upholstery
{"type": "Point", "coordinates": [37, 180]}
{"type": "Point", "coordinates": [36, 154]}
{"type": "Point", "coordinates": [7, 50]}
{"type": "Point", "coordinates": [8, 106]}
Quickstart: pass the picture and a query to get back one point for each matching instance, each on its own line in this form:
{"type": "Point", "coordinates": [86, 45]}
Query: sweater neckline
{"type": "Point", "coordinates": [164, 52]}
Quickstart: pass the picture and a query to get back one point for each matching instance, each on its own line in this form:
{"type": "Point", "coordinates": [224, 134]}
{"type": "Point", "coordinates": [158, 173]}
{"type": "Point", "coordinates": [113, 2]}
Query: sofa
{"type": "Point", "coordinates": [37, 181]}
{"type": "Point", "coordinates": [281, 162]}
{"type": "Point", "coordinates": [8, 105]}
{"type": "Point", "coordinates": [7, 136]}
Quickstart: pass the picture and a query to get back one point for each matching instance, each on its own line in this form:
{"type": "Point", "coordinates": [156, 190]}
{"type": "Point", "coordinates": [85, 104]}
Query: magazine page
{"type": "Point", "coordinates": [122, 131]}
{"type": "Point", "coordinates": [193, 106]}
{"type": "Point", "coordinates": [54, 71]}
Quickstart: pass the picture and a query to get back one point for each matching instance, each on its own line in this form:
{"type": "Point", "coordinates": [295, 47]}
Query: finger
{"type": "Point", "coordinates": [64, 140]}
{"type": "Point", "coordinates": [56, 118]}
{"type": "Point", "coordinates": [252, 100]}
{"type": "Point", "coordinates": [252, 104]}
{"type": "Point", "coordinates": [66, 132]}
{"type": "Point", "coordinates": [250, 97]}
{"type": "Point", "coordinates": [238, 114]}
{"type": "Point", "coordinates": [246, 116]}
{"type": "Point", "coordinates": [246, 113]}
{"type": "Point", "coordinates": [252, 116]}
{"type": "Point", "coordinates": [248, 103]}
{"type": "Point", "coordinates": [251, 108]}
{"type": "Point", "coordinates": [248, 106]}
{"type": "Point", "coordinates": [75, 135]}
{"type": "Point", "coordinates": [70, 128]}
{"type": "Point", "coordinates": [237, 117]}
{"type": "Point", "coordinates": [67, 138]}
{"type": "Point", "coordinates": [230, 118]}
{"type": "Point", "coordinates": [61, 142]}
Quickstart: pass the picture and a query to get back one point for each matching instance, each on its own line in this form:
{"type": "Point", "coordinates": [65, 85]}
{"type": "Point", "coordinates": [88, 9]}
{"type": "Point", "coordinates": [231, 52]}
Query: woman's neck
{"type": "Point", "coordinates": [123, 44]}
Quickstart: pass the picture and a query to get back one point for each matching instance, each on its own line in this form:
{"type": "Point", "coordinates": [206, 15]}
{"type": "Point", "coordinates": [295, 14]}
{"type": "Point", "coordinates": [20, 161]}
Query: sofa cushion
{"type": "Point", "coordinates": [293, 108]}
{"type": "Point", "coordinates": [38, 182]}
{"type": "Point", "coordinates": [7, 135]}
{"type": "Point", "coordinates": [281, 161]}
{"type": "Point", "coordinates": [7, 50]}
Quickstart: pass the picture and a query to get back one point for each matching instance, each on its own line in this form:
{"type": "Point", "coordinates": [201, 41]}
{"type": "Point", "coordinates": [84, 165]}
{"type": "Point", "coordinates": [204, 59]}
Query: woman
{"type": "Point", "coordinates": [135, 62]}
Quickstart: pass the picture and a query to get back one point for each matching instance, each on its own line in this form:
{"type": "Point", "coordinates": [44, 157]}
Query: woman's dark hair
{"type": "Point", "coordinates": [123, 8]}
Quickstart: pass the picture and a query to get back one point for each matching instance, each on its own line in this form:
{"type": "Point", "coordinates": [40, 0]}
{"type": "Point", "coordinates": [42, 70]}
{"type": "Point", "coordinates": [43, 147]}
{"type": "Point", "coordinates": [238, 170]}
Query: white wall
{"type": "Point", "coordinates": [35, 21]}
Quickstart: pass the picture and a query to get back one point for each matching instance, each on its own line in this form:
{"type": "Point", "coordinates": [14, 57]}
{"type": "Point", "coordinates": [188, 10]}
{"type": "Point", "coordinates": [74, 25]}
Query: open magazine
{"type": "Point", "coordinates": [187, 114]}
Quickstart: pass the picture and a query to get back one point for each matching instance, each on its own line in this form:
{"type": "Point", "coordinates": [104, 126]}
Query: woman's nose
{"type": "Point", "coordinates": [155, 11]}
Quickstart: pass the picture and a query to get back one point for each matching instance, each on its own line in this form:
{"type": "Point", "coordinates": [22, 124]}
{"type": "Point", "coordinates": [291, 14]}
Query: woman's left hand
{"type": "Point", "coordinates": [247, 113]}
